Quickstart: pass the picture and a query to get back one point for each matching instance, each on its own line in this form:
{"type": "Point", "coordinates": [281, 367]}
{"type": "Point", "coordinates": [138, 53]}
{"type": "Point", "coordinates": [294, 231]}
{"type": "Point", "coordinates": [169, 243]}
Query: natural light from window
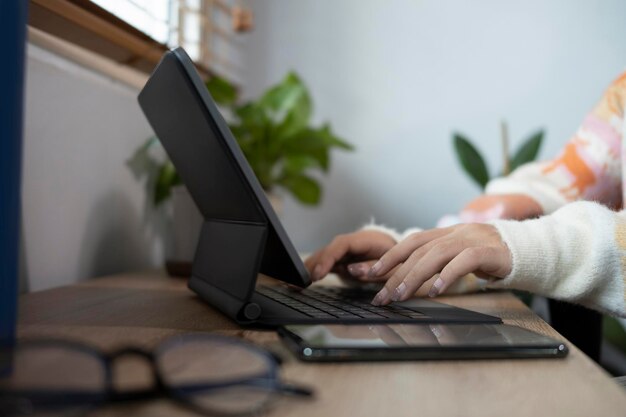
{"type": "Point", "coordinates": [161, 20]}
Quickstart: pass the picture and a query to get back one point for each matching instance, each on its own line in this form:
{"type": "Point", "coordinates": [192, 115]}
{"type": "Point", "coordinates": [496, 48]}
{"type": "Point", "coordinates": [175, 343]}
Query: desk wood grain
{"type": "Point", "coordinates": [145, 308]}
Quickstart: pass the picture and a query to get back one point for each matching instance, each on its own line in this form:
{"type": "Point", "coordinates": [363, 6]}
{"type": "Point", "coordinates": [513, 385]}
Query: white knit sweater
{"type": "Point", "coordinates": [577, 254]}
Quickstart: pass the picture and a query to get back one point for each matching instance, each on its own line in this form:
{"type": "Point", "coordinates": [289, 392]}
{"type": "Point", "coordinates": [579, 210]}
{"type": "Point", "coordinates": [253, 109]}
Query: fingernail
{"type": "Point", "coordinates": [356, 270]}
{"type": "Point", "coordinates": [380, 297]}
{"type": "Point", "coordinates": [398, 293]}
{"type": "Point", "coordinates": [317, 271]}
{"type": "Point", "coordinates": [375, 268]}
{"type": "Point", "coordinates": [434, 290]}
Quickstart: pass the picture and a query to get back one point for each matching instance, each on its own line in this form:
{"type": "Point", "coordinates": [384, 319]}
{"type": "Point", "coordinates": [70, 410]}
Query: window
{"type": "Point", "coordinates": [152, 17]}
{"type": "Point", "coordinates": [137, 32]}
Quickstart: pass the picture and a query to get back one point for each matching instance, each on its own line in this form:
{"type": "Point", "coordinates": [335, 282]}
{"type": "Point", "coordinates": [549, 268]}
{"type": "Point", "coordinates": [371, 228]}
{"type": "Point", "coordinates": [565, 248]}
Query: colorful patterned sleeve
{"type": "Point", "coordinates": [589, 167]}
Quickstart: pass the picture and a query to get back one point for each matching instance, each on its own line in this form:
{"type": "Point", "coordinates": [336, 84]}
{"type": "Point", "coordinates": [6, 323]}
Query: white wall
{"type": "Point", "coordinates": [396, 78]}
{"type": "Point", "coordinates": [84, 214]}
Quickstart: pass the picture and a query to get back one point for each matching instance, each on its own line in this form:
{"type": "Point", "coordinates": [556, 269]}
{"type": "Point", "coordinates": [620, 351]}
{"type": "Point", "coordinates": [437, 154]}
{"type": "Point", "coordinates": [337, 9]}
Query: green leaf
{"type": "Point", "coordinates": [251, 131]}
{"type": "Point", "coordinates": [340, 143]}
{"type": "Point", "coordinates": [528, 151]}
{"type": "Point", "coordinates": [251, 114]}
{"type": "Point", "coordinates": [296, 164]}
{"type": "Point", "coordinates": [222, 91]}
{"type": "Point", "coordinates": [297, 117]}
{"type": "Point", "coordinates": [141, 163]}
{"type": "Point", "coordinates": [288, 105]}
{"type": "Point", "coordinates": [285, 95]}
{"type": "Point", "coordinates": [471, 160]}
{"type": "Point", "coordinates": [332, 140]}
{"type": "Point", "coordinates": [311, 142]}
{"type": "Point", "coordinates": [166, 179]}
{"type": "Point", "coordinates": [305, 189]}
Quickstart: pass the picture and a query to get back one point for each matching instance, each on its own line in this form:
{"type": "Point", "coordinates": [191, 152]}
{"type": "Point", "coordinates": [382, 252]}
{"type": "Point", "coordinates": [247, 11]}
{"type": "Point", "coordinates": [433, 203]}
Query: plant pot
{"type": "Point", "coordinates": [186, 225]}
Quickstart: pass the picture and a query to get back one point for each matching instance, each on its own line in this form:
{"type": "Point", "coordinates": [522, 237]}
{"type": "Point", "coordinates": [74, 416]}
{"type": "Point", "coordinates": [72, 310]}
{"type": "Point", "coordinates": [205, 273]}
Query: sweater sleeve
{"type": "Point", "coordinates": [576, 254]}
{"type": "Point", "coordinates": [588, 166]}
{"type": "Point", "coordinates": [397, 236]}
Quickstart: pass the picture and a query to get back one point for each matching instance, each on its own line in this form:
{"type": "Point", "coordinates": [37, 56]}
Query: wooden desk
{"type": "Point", "coordinates": [143, 309]}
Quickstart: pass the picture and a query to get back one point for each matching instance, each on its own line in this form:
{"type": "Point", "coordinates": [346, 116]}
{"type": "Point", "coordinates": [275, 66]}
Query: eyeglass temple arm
{"type": "Point", "coordinates": [297, 390]}
{"type": "Point", "coordinates": [263, 382]}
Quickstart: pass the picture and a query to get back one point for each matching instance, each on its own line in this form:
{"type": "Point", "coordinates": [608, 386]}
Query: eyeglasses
{"type": "Point", "coordinates": [210, 374]}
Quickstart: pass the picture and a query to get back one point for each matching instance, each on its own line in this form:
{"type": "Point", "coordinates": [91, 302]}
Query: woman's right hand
{"type": "Point", "coordinates": [350, 255]}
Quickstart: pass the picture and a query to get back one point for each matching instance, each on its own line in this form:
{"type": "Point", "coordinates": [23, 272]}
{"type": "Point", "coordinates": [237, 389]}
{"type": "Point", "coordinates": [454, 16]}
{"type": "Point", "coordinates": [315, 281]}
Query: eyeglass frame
{"type": "Point", "coordinates": [160, 389]}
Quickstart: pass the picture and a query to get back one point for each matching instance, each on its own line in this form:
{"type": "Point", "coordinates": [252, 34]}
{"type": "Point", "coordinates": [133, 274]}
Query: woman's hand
{"type": "Point", "coordinates": [503, 206]}
{"type": "Point", "coordinates": [451, 252]}
{"type": "Point", "coordinates": [350, 255]}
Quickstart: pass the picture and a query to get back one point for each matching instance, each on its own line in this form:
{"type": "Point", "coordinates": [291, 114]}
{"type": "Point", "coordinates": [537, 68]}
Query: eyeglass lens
{"type": "Point", "coordinates": [232, 378]}
{"type": "Point", "coordinates": [217, 375]}
{"type": "Point", "coordinates": [53, 377]}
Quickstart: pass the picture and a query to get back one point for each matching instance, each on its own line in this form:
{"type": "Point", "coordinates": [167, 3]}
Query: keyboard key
{"type": "Point", "coordinates": [336, 303]}
{"type": "Point", "coordinates": [321, 315]}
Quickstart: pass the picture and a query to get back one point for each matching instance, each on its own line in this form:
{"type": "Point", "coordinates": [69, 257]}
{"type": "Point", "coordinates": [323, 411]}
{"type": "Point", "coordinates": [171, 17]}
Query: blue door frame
{"type": "Point", "coordinates": [13, 14]}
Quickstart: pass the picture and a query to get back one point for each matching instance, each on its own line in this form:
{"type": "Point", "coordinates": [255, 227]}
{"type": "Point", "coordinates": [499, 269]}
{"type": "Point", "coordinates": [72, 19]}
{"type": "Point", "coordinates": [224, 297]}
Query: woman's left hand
{"type": "Point", "coordinates": [451, 252]}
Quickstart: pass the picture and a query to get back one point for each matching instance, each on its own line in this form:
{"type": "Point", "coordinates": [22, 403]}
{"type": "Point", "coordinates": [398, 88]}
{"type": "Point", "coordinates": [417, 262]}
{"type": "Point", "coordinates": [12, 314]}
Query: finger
{"type": "Point", "coordinates": [311, 261]}
{"type": "Point", "coordinates": [400, 252]}
{"type": "Point", "coordinates": [396, 278]}
{"type": "Point", "coordinates": [311, 264]}
{"type": "Point", "coordinates": [359, 269]}
{"type": "Point", "coordinates": [320, 263]}
{"type": "Point", "coordinates": [355, 271]}
{"type": "Point", "coordinates": [404, 269]}
{"type": "Point", "coordinates": [423, 290]}
{"type": "Point", "coordinates": [380, 278]}
{"type": "Point", "coordinates": [422, 269]}
{"type": "Point", "coordinates": [350, 244]}
{"type": "Point", "coordinates": [481, 259]}
{"type": "Point", "coordinates": [384, 295]}
{"type": "Point", "coordinates": [429, 265]}
{"type": "Point", "coordinates": [336, 250]}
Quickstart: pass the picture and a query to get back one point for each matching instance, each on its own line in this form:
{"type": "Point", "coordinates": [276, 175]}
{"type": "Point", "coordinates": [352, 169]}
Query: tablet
{"type": "Point", "coordinates": [394, 342]}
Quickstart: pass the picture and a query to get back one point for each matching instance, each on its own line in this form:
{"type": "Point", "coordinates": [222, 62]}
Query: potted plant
{"type": "Point", "coordinates": [475, 166]}
{"type": "Point", "coordinates": [276, 137]}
